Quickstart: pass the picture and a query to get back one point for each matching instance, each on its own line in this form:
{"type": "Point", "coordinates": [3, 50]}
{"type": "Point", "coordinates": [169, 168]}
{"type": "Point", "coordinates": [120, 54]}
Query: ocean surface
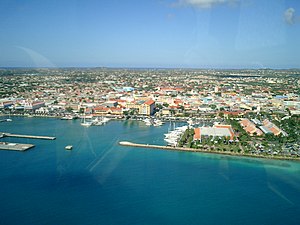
{"type": "Point", "coordinates": [100, 182]}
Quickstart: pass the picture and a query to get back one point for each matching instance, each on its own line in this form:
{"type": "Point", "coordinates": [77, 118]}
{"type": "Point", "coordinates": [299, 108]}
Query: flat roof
{"type": "Point", "coordinates": [214, 131]}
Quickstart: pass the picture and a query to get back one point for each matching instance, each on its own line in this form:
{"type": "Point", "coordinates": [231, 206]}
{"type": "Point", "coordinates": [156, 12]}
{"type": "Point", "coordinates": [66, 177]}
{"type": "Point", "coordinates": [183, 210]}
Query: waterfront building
{"type": "Point", "coordinates": [5, 103]}
{"type": "Point", "coordinates": [33, 105]}
{"type": "Point", "coordinates": [143, 107]}
{"type": "Point", "coordinates": [101, 110]}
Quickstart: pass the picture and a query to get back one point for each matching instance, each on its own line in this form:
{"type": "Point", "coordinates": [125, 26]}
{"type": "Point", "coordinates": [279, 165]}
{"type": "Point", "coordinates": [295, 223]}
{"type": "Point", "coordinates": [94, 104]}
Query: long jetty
{"type": "Point", "coordinates": [127, 143]}
{"type": "Point", "coordinates": [203, 150]}
{"type": "Point", "coordinates": [27, 136]}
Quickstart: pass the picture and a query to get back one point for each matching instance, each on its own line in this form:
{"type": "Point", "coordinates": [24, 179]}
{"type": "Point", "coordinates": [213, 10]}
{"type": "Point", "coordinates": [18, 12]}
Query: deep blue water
{"type": "Point", "coordinates": [100, 182]}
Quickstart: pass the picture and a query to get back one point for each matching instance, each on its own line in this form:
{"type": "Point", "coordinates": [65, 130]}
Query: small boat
{"type": "Point", "coordinates": [69, 147]}
{"type": "Point", "coordinates": [86, 123]}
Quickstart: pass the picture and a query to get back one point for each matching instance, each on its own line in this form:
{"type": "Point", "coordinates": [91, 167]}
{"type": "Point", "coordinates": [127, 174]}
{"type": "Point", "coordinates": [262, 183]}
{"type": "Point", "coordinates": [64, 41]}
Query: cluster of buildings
{"type": "Point", "coordinates": [258, 128]}
{"type": "Point", "coordinates": [193, 93]}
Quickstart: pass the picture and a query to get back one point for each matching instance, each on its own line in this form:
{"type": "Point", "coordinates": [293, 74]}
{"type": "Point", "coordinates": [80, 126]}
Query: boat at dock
{"type": "Point", "coordinates": [157, 122]}
{"type": "Point", "coordinates": [100, 121]}
{"type": "Point", "coordinates": [86, 123]}
{"type": "Point", "coordinates": [154, 122]}
{"type": "Point", "coordinates": [68, 117]}
{"type": "Point", "coordinates": [148, 122]}
{"type": "Point", "coordinates": [172, 137]}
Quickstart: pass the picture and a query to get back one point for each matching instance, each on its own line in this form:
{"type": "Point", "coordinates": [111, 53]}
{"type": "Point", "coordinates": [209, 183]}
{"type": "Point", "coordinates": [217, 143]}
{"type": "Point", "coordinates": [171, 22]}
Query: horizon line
{"type": "Point", "coordinates": [129, 67]}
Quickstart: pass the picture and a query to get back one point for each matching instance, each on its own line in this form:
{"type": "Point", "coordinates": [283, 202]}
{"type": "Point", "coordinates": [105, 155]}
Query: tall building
{"type": "Point", "coordinates": [143, 107]}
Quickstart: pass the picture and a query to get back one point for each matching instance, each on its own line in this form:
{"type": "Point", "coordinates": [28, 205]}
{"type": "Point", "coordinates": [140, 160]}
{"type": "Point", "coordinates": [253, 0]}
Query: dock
{"type": "Point", "coordinates": [15, 146]}
{"type": "Point", "coordinates": [27, 136]}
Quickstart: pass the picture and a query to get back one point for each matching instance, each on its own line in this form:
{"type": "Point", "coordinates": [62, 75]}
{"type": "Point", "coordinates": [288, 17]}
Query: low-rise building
{"type": "Point", "coordinates": [33, 105]}
{"type": "Point", "coordinates": [5, 103]}
{"type": "Point", "coordinates": [215, 131]}
{"type": "Point", "coordinates": [250, 127]}
{"type": "Point", "coordinates": [269, 126]}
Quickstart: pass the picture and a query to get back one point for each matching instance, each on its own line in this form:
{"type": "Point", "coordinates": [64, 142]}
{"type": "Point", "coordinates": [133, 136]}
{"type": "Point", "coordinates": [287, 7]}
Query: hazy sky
{"type": "Point", "coordinates": [150, 33]}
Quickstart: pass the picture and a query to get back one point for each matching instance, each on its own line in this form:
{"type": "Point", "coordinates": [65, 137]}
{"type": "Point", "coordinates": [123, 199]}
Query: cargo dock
{"type": "Point", "coordinates": [15, 146]}
{"type": "Point", "coordinates": [27, 136]}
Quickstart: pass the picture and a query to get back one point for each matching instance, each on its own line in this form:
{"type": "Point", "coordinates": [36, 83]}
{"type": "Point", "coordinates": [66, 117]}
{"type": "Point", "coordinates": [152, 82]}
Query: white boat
{"type": "Point", "coordinates": [9, 119]}
{"type": "Point", "coordinates": [105, 119]}
{"type": "Point", "coordinates": [173, 136]}
{"type": "Point", "coordinates": [86, 124]}
{"type": "Point", "coordinates": [67, 117]}
{"type": "Point", "coordinates": [172, 142]}
{"type": "Point", "coordinates": [100, 121]}
{"type": "Point", "coordinates": [157, 123]}
{"type": "Point", "coordinates": [148, 121]}
{"type": "Point", "coordinates": [69, 147]}
{"type": "Point", "coordinates": [97, 122]}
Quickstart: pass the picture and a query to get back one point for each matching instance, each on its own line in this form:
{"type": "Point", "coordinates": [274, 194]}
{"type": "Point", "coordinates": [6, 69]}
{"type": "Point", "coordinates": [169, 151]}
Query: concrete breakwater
{"type": "Point", "coordinates": [170, 148]}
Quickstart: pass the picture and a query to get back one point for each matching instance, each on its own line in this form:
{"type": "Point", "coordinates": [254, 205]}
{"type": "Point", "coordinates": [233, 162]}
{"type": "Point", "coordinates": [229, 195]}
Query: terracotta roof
{"type": "Point", "coordinates": [149, 102]}
{"type": "Point", "coordinates": [197, 135]}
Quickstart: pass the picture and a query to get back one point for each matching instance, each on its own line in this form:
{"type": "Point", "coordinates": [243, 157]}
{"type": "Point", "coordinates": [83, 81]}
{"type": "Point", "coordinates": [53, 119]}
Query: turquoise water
{"type": "Point", "coordinates": [100, 182]}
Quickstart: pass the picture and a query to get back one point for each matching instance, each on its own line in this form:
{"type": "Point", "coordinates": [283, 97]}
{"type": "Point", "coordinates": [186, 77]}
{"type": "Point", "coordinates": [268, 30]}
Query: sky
{"type": "Point", "coordinates": [150, 33]}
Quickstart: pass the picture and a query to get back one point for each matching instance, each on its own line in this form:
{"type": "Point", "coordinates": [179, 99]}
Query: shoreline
{"type": "Point", "coordinates": [170, 148]}
{"type": "Point", "coordinates": [182, 149]}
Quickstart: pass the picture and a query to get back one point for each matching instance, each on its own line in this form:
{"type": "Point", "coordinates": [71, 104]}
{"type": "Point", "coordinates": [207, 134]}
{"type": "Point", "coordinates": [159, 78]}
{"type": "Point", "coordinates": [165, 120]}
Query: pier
{"type": "Point", "coordinates": [18, 146]}
{"type": "Point", "coordinates": [15, 146]}
{"type": "Point", "coordinates": [27, 136]}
